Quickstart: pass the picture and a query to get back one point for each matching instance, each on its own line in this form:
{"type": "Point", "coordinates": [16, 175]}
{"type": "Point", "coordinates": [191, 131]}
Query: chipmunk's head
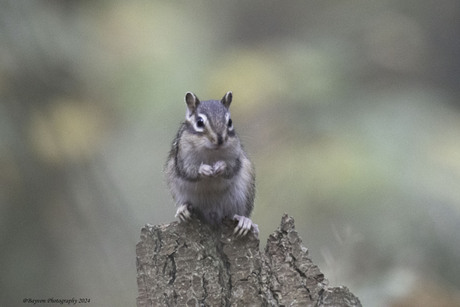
{"type": "Point", "coordinates": [210, 120]}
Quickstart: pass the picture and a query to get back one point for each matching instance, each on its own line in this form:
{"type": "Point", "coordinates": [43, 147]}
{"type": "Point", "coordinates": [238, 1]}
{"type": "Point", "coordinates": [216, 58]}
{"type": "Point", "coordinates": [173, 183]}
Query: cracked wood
{"type": "Point", "coordinates": [192, 264]}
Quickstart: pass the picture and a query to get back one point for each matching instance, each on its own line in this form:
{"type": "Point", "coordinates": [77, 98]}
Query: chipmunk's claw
{"type": "Point", "coordinates": [184, 213]}
{"type": "Point", "coordinates": [244, 225]}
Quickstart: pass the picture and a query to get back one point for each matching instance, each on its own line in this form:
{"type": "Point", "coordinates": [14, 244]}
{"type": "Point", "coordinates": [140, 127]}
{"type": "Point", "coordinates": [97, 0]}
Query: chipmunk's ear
{"type": "Point", "coordinates": [192, 103]}
{"type": "Point", "coordinates": [227, 99]}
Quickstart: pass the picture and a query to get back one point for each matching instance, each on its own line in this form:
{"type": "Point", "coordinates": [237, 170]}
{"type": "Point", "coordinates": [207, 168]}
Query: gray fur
{"type": "Point", "coordinates": [213, 179]}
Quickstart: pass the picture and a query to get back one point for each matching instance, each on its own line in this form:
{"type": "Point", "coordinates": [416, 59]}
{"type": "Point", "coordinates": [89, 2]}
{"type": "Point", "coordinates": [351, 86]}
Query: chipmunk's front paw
{"type": "Point", "coordinates": [184, 212]}
{"type": "Point", "coordinates": [205, 170]}
{"type": "Point", "coordinates": [244, 225]}
{"type": "Point", "coordinates": [219, 167]}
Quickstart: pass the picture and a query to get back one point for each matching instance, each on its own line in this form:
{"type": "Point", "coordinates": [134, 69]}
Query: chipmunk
{"type": "Point", "coordinates": [207, 170]}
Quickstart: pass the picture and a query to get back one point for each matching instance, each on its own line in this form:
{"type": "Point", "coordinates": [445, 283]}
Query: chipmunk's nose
{"type": "Point", "coordinates": [220, 139]}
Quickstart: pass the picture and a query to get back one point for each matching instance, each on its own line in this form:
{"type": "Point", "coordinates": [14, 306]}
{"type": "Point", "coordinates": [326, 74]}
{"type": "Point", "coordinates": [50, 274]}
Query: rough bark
{"type": "Point", "coordinates": [192, 264]}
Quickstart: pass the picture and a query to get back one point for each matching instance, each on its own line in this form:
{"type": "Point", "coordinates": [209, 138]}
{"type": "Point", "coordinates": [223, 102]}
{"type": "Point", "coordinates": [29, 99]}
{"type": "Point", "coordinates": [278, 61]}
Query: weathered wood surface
{"type": "Point", "coordinates": [191, 264]}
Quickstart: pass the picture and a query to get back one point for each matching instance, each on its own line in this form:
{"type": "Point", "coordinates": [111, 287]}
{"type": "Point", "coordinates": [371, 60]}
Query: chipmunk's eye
{"type": "Point", "coordinates": [200, 122]}
{"type": "Point", "coordinates": [230, 123]}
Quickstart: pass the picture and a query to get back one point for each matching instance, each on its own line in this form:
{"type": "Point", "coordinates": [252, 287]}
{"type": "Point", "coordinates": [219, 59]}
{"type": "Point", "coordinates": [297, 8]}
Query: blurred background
{"type": "Point", "coordinates": [349, 110]}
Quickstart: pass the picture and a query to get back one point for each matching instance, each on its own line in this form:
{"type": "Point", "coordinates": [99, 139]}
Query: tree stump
{"type": "Point", "coordinates": [193, 264]}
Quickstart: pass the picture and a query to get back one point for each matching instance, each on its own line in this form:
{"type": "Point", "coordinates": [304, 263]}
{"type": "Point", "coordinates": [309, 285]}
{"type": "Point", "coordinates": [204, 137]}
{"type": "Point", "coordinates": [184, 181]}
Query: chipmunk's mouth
{"type": "Point", "coordinates": [214, 146]}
